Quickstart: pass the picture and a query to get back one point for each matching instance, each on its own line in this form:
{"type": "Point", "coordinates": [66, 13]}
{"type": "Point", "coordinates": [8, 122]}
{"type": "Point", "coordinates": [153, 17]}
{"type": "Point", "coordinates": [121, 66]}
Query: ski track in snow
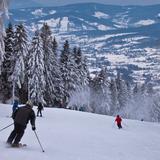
{"type": "Point", "coordinates": [73, 135]}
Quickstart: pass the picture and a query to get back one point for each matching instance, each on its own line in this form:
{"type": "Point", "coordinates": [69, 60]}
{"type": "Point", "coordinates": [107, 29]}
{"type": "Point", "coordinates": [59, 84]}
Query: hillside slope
{"type": "Point", "coordinates": [71, 135]}
{"type": "Point", "coordinates": [119, 37]}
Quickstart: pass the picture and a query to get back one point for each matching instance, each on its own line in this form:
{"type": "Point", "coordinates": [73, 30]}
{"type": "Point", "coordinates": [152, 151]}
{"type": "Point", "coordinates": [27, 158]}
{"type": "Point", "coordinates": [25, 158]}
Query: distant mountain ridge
{"type": "Point", "coordinates": [15, 4]}
{"type": "Point", "coordinates": [125, 38]}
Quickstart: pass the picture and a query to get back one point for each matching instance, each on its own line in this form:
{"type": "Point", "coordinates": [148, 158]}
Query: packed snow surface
{"type": "Point", "coordinates": [101, 15]}
{"type": "Point", "coordinates": [73, 135]}
{"type": "Point", "coordinates": [144, 22]}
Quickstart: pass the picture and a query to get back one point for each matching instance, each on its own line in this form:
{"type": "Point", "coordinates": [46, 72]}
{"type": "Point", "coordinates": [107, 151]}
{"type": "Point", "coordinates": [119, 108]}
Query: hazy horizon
{"type": "Point", "coordinates": [117, 2]}
{"type": "Point", "coordinates": [45, 3]}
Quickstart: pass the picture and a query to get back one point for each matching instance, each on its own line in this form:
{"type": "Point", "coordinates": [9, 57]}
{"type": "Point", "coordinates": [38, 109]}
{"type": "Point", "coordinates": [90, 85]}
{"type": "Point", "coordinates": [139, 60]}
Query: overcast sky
{"type": "Point", "coordinates": [115, 2]}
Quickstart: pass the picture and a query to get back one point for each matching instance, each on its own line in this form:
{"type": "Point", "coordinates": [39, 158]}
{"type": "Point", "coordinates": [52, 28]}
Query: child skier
{"type": "Point", "coordinates": [118, 120]}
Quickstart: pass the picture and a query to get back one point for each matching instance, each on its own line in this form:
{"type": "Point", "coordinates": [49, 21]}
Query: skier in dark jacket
{"type": "Point", "coordinates": [40, 108]}
{"type": "Point", "coordinates": [118, 120]}
{"type": "Point", "coordinates": [21, 118]}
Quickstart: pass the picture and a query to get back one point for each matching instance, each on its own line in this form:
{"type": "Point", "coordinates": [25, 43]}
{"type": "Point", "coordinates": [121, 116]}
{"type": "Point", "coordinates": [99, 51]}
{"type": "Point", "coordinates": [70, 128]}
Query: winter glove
{"type": "Point", "coordinates": [33, 128]}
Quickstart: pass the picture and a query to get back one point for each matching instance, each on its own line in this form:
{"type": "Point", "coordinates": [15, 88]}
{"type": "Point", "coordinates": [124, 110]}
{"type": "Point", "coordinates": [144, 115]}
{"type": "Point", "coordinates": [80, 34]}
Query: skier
{"type": "Point", "coordinates": [118, 120]}
{"type": "Point", "coordinates": [40, 108]}
{"type": "Point", "coordinates": [15, 106]}
{"type": "Point", "coordinates": [21, 117]}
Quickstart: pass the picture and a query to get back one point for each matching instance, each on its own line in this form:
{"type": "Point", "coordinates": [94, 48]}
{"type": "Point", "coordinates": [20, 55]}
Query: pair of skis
{"type": "Point", "coordinates": [20, 145]}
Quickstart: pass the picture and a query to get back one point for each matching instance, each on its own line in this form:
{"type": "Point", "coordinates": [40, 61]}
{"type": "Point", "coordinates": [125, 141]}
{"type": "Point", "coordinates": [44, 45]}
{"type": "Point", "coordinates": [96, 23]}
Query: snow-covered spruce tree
{"type": "Point", "coordinates": [58, 89]}
{"type": "Point", "coordinates": [122, 91]}
{"type": "Point", "coordinates": [95, 91]}
{"type": "Point", "coordinates": [78, 67]}
{"type": "Point", "coordinates": [155, 108]}
{"type": "Point", "coordinates": [81, 67]}
{"type": "Point", "coordinates": [79, 98]}
{"type": "Point", "coordinates": [52, 71]}
{"type": "Point", "coordinates": [114, 106]}
{"type": "Point", "coordinates": [149, 89]}
{"type": "Point", "coordinates": [36, 79]}
{"type": "Point", "coordinates": [54, 46]}
{"type": "Point", "coordinates": [100, 99]}
{"type": "Point", "coordinates": [134, 104]}
{"type": "Point", "coordinates": [139, 105]}
{"type": "Point", "coordinates": [20, 51]}
{"type": "Point", "coordinates": [129, 95]}
{"type": "Point", "coordinates": [105, 95]}
{"type": "Point", "coordinates": [8, 63]}
{"type": "Point", "coordinates": [46, 36]}
{"type": "Point", "coordinates": [68, 72]}
{"type": "Point", "coordinates": [3, 14]}
{"type": "Point", "coordinates": [85, 69]}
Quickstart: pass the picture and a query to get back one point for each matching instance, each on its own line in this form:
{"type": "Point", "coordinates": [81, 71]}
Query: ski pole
{"type": "Point", "coordinates": [39, 141]}
{"type": "Point", "coordinates": [6, 127]}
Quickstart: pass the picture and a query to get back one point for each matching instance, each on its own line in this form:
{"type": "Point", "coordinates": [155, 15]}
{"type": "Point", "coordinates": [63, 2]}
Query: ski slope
{"type": "Point", "coordinates": [73, 135]}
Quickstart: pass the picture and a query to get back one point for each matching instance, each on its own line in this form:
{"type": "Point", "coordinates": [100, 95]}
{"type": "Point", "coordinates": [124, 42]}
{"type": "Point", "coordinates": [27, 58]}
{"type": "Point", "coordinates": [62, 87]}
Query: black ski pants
{"type": "Point", "coordinates": [39, 112]}
{"type": "Point", "coordinates": [16, 134]}
{"type": "Point", "coordinates": [119, 125]}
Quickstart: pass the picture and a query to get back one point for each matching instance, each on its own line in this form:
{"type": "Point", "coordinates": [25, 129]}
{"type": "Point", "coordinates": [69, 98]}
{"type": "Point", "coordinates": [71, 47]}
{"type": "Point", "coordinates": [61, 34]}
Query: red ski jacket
{"type": "Point", "coordinates": [118, 120]}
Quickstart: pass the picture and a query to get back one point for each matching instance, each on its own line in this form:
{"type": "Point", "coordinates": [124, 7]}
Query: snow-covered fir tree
{"type": "Point", "coordinates": [46, 36]}
{"type": "Point", "coordinates": [122, 91]}
{"type": "Point", "coordinates": [139, 105]}
{"type": "Point", "coordinates": [68, 72]}
{"type": "Point", "coordinates": [155, 110]}
{"type": "Point", "coordinates": [54, 46]}
{"type": "Point", "coordinates": [79, 97]}
{"type": "Point", "coordinates": [100, 94]}
{"type": "Point", "coordinates": [105, 95]}
{"type": "Point", "coordinates": [36, 78]}
{"type": "Point", "coordinates": [114, 106]}
{"type": "Point", "coordinates": [3, 14]}
{"type": "Point", "coordinates": [52, 71]}
{"type": "Point", "coordinates": [8, 63]}
{"type": "Point", "coordinates": [57, 84]}
{"type": "Point", "coordinates": [96, 93]}
{"type": "Point", "coordinates": [81, 67]}
{"type": "Point", "coordinates": [21, 52]}
{"type": "Point", "coordinates": [85, 71]}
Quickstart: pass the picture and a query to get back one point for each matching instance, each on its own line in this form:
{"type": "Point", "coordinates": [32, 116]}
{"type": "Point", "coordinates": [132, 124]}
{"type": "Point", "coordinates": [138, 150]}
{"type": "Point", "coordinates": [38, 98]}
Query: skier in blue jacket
{"type": "Point", "coordinates": [15, 106]}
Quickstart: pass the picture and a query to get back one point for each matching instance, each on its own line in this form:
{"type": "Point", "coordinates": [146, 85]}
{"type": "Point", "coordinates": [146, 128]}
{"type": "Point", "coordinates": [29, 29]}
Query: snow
{"type": "Point", "coordinates": [121, 20]}
{"type": "Point", "coordinates": [114, 59]}
{"type": "Point", "coordinates": [144, 22]}
{"type": "Point", "coordinates": [1, 13]}
{"type": "Point", "coordinates": [122, 59]}
{"type": "Point", "coordinates": [94, 69]}
{"type": "Point", "coordinates": [22, 9]}
{"type": "Point", "coordinates": [38, 12]}
{"type": "Point", "coordinates": [64, 24]}
{"type": "Point", "coordinates": [51, 22]}
{"type": "Point", "coordinates": [52, 12]}
{"type": "Point", "coordinates": [101, 15]}
{"type": "Point", "coordinates": [99, 45]}
{"type": "Point", "coordinates": [73, 135]}
{"type": "Point", "coordinates": [84, 27]}
{"type": "Point", "coordinates": [103, 27]}
{"type": "Point", "coordinates": [105, 37]}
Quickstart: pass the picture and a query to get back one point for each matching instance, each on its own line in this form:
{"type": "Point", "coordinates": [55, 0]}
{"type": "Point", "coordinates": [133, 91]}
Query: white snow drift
{"type": "Point", "coordinates": [73, 135]}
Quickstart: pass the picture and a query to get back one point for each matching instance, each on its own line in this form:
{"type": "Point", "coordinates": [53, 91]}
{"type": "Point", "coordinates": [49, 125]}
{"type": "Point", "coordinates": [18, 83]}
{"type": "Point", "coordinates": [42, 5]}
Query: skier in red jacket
{"type": "Point", "coordinates": [118, 120]}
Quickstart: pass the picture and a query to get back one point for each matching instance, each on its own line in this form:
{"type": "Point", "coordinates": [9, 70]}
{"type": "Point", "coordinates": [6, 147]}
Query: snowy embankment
{"type": "Point", "coordinates": [73, 135]}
